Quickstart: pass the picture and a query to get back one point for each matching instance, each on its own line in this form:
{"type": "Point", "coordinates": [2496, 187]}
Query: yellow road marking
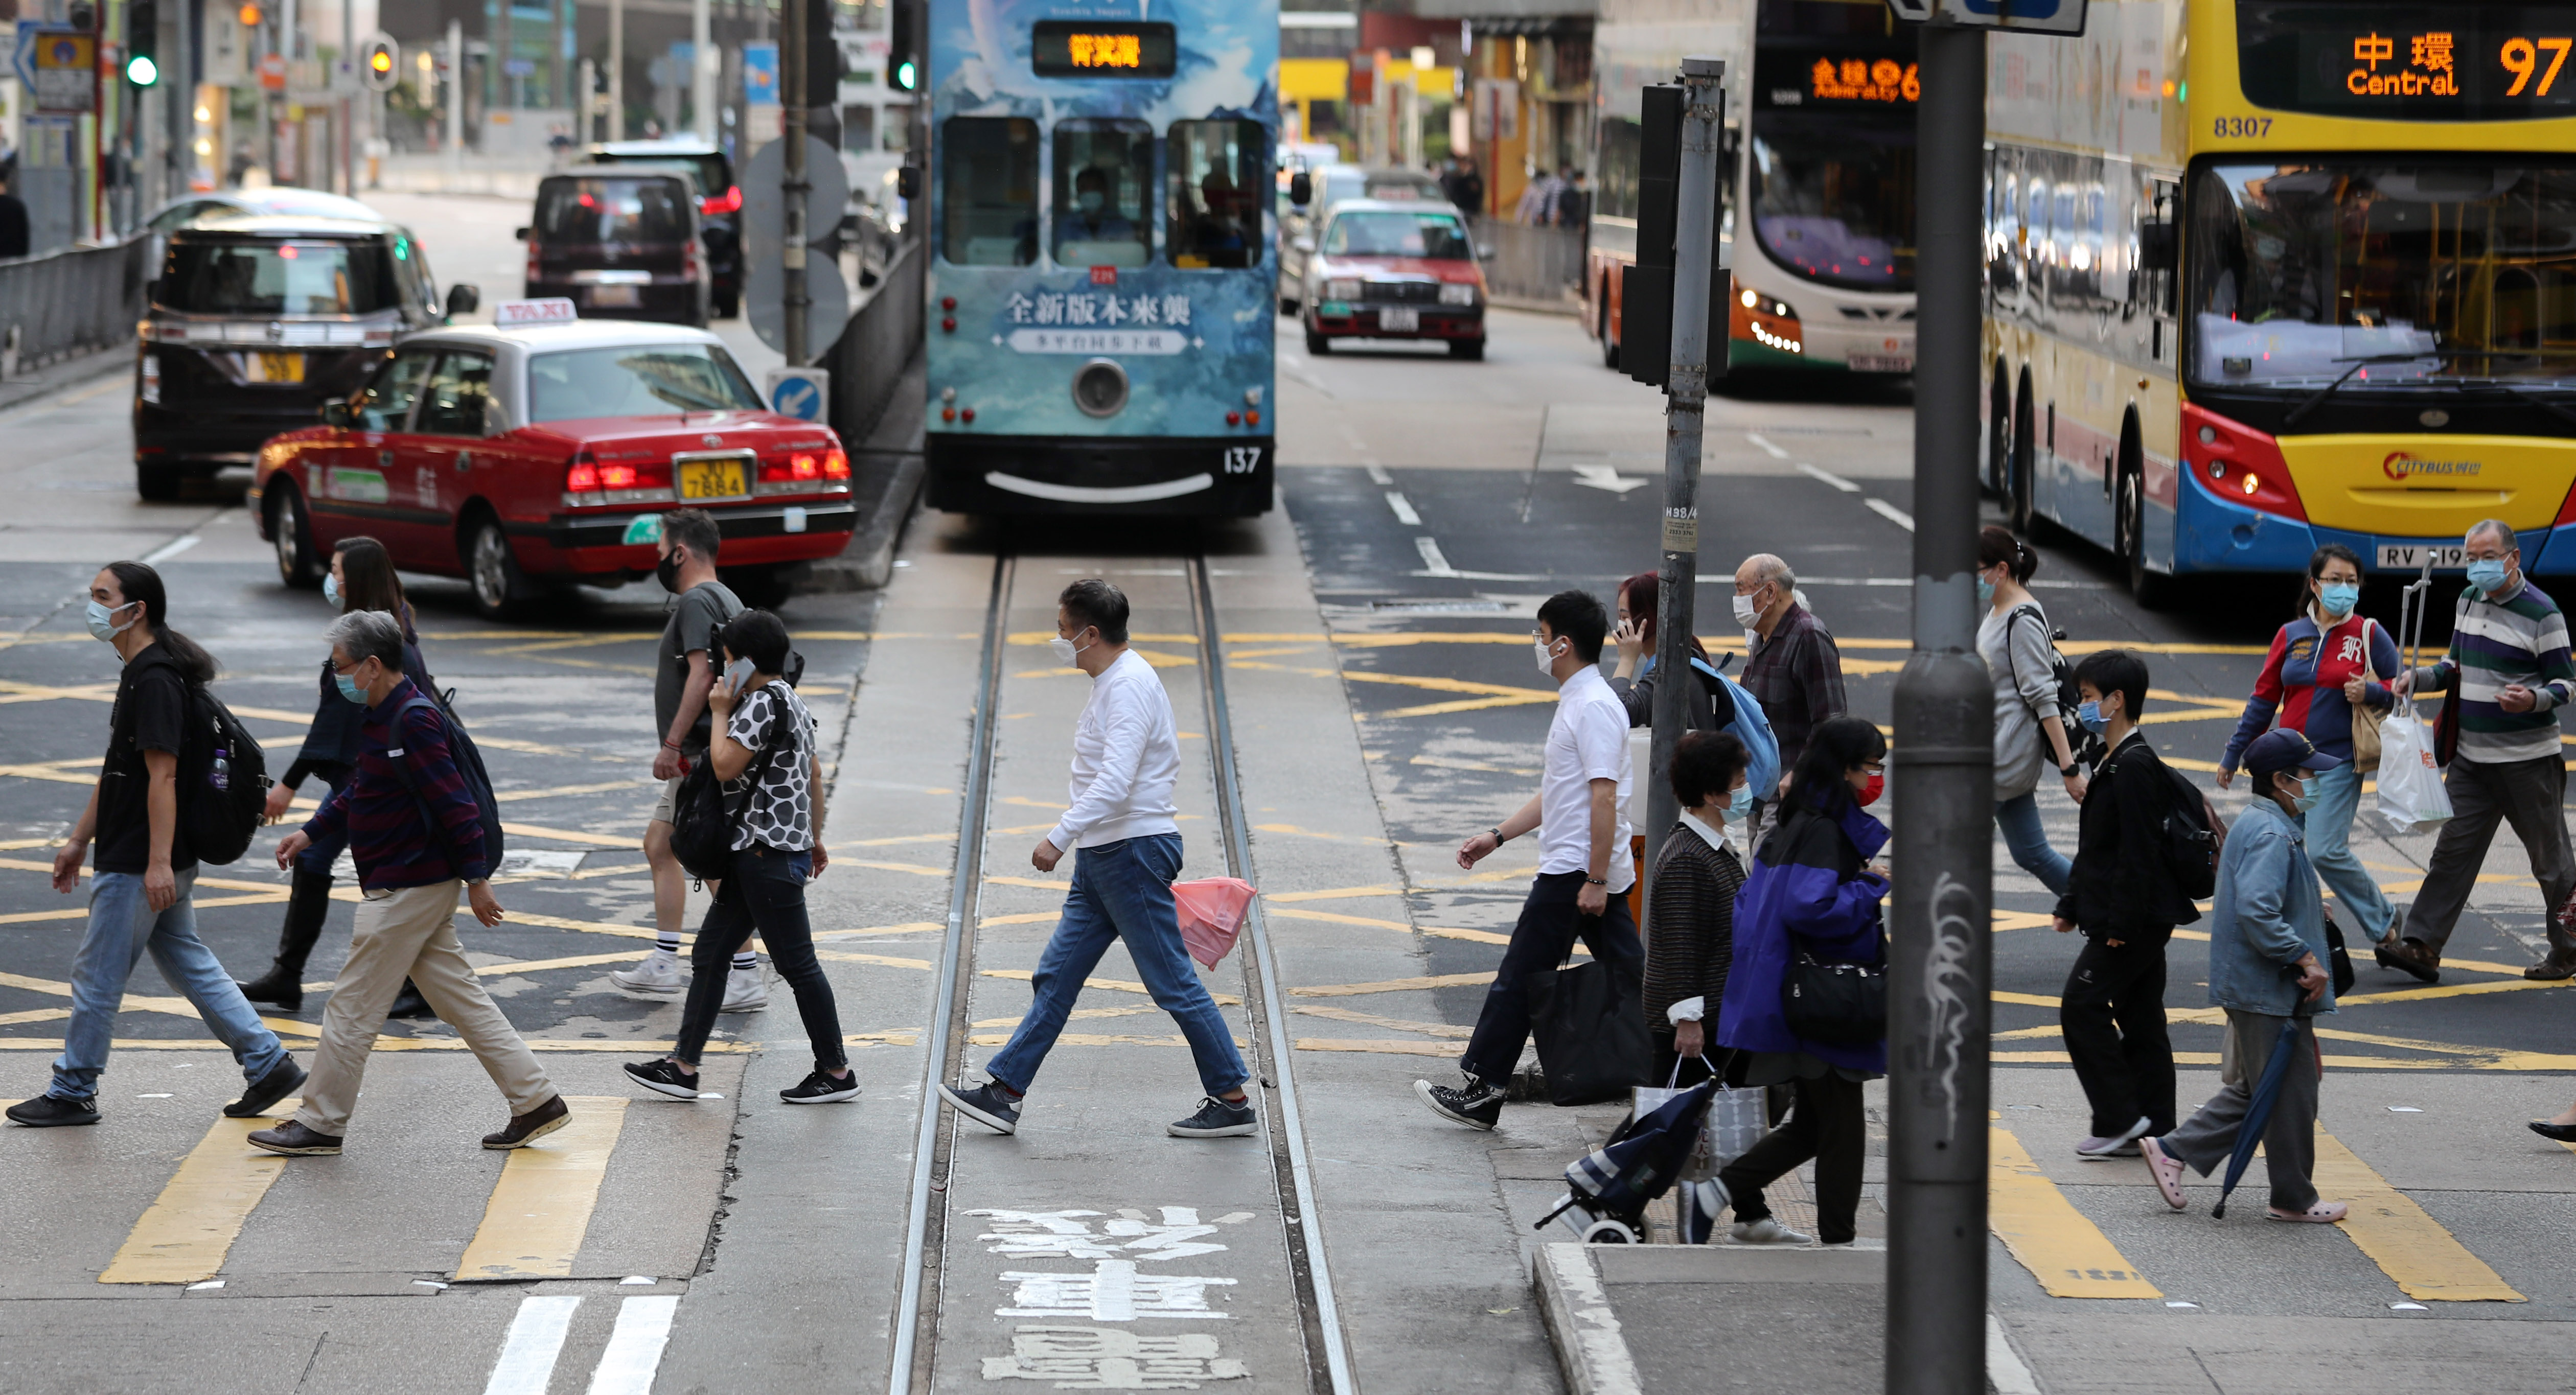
{"type": "Point", "coordinates": [1392, 985]}
{"type": "Point", "coordinates": [34, 1015]}
{"type": "Point", "coordinates": [1334, 893]}
{"type": "Point", "coordinates": [540, 1209]}
{"type": "Point", "coordinates": [1023, 918]}
{"type": "Point", "coordinates": [566, 835]}
{"type": "Point", "coordinates": [2210, 1058]}
{"type": "Point", "coordinates": [1444, 932]}
{"type": "Point", "coordinates": [1096, 1039]}
{"type": "Point", "coordinates": [1428, 1029]}
{"type": "Point", "coordinates": [1077, 1012]}
{"type": "Point", "coordinates": [561, 791]}
{"type": "Point", "coordinates": [2068, 1254]}
{"type": "Point", "coordinates": [82, 912]}
{"type": "Point", "coordinates": [2451, 990]}
{"type": "Point", "coordinates": [914, 868]}
{"type": "Point", "coordinates": [890, 961]}
{"type": "Point", "coordinates": [1382, 1046]}
{"type": "Point", "coordinates": [1119, 984]}
{"type": "Point", "coordinates": [185, 1233]}
{"type": "Point", "coordinates": [2412, 1248]}
{"type": "Point", "coordinates": [912, 928]}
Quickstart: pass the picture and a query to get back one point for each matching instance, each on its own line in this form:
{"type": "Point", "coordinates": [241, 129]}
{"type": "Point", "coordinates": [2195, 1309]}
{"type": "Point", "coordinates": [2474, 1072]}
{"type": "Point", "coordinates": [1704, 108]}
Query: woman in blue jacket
{"type": "Point", "coordinates": [1814, 889]}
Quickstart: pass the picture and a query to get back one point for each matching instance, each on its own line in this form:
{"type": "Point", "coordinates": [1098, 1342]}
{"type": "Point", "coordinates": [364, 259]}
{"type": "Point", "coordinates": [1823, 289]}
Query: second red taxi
{"type": "Point", "coordinates": [1388, 270]}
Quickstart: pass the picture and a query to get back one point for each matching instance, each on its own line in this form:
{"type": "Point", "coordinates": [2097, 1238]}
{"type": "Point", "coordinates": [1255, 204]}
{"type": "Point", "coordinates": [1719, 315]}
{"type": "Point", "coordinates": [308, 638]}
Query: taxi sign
{"type": "Point", "coordinates": [549, 310]}
{"type": "Point", "coordinates": [802, 393]}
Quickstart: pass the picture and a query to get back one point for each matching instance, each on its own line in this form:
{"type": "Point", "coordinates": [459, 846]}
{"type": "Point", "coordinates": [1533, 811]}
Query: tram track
{"type": "Point", "coordinates": [919, 1353]}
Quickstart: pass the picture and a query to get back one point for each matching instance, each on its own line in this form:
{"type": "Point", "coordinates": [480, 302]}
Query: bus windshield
{"type": "Point", "coordinates": [2402, 275]}
{"type": "Point", "coordinates": [1833, 199]}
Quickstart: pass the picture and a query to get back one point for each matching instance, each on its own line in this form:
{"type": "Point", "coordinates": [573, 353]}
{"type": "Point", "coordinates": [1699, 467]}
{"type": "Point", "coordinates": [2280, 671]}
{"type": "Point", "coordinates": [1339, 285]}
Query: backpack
{"type": "Point", "coordinates": [2069, 696]}
{"type": "Point", "coordinates": [223, 781]}
{"type": "Point", "coordinates": [703, 823]}
{"type": "Point", "coordinates": [1762, 769]}
{"type": "Point", "coordinates": [469, 764]}
{"type": "Point", "coordinates": [2193, 836]}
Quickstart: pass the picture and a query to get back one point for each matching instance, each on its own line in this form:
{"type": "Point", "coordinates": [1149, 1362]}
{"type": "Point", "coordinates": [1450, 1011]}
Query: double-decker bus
{"type": "Point", "coordinates": [2265, 274]}
{"type": "Point", "coordinates": [1819, 174]}
{"type": "Point", "coordinates": [1101, 274]}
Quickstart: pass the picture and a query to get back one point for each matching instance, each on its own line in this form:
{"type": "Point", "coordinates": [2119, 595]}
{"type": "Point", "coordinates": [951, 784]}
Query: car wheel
{"type": "Point", "coordinates": [1317, 344]}
{"type": "Point", "coordinates": [1287, 305]}
{"type": "Point", "coordinates": [1469, 349]}
{"type": "Point", "coordinates": [290, 528]}
{"type": "Point", "coordinates": [493, 570]}
{"type": "Point", "coordinates": [158, 484]}
{"type": "Point", "coordinates": [728, 306]}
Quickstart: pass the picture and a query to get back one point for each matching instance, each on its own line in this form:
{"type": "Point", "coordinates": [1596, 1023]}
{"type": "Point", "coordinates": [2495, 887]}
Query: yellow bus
{"type": "Point", "coordinates": [2265, 274]}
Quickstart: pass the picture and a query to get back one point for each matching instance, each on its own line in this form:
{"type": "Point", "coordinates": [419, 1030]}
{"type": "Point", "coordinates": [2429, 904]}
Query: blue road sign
{"type": "Point", "coordinates": [801, 398]}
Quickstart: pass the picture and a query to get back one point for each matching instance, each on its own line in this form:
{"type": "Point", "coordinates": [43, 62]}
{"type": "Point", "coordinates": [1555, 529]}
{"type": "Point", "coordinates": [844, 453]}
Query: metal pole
{"type": "Point", "coordinates": [1941, 959]}
{"type": "Point", "coordinates": [455, 103]}
{"type": "Point", "coordinates": [702, 75]}
{"type": "Point", "coordinates": [617, 69]}
{"type": "Point", "coordinates": [1686, 396]}
{"type": "Point", "coordinates": [795, 32]}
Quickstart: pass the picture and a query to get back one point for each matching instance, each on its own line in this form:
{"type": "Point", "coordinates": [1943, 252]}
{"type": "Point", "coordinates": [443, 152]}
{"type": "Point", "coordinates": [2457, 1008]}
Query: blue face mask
{"type": "Point", "coordinates": [349, 688]}
{"type": "Point", "coordinates": [331, 591]}
{"type": "Point", "coordinates": [2338, 598]}
{"type": "Point", "coordinates": [1985, 591]}
{"type": "Point", "coordinates": [2487, 574]}
{"type": "Point", "coordinates": [2090, 716]}
{"type": "Point", "coordinates": [2307, 796]}
{"type": "Point", "coordinates": [1740, 806]}
{"type": "Point", "coordinates": [102, 620]}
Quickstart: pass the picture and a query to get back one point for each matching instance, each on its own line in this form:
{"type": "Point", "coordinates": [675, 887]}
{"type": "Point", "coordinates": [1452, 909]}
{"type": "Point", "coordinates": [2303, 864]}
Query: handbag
{"type": "Point", "coordinates": [2338, 958]}
{"type": "Point", "coordinates": [1590, 1028]}
{"type": "Point", "coordinates": [1736, 1120]}
{"type": "Point", "coordinates": [1836, 1002]}
{"type": "Point", "coordinates": [2365, 732]}
{"type": "Point", "coordinates": [703, 822]}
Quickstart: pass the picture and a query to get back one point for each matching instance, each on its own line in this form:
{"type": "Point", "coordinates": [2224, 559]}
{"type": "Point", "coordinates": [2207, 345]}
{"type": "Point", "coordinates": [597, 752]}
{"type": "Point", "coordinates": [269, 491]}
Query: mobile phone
{"type": "Point", "coordinates": [737, 674]}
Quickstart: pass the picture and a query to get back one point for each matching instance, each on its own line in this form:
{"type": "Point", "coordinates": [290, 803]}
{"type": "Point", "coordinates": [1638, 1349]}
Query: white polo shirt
{"type": "Point", "coordinates": [1588, 741]}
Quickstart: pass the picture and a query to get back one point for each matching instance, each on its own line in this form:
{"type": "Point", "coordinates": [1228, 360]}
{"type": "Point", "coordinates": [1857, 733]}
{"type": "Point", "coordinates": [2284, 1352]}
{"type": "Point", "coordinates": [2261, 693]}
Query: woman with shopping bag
{"type": "Point", "coordinates": [2324, 678]}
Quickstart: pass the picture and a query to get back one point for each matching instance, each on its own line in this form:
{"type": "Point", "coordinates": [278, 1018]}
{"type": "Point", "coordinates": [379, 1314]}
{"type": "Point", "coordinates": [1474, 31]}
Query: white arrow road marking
{"type": "Point", "coordinates": [1605, 477]}
{"type": "Point", "coordinates": [1891, 513]}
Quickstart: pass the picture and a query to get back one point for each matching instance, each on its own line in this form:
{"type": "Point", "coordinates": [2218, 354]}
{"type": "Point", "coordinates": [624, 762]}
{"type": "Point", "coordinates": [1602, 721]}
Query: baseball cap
{"type": "Point", "coordinates": [2284, 749]}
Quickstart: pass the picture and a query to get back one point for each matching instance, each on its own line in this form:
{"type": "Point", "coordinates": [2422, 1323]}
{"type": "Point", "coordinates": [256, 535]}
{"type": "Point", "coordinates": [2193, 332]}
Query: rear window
{"type": "Point", "coordinates": [644, 380]}
{"type": "Point", "coordinates": [278, 278]}
{"type": "Point", "coordinates": [1390, 234]}
{"type": "Point", "coordinates": [715, 173]}
{"type": "Point", "coordinates": [613, 209]}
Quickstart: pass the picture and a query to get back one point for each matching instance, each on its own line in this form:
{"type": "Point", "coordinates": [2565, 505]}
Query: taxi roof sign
{"type": "Point", "coordinates": [2028, 16]}
{"type": "Point", "coordinates": [548, 310]}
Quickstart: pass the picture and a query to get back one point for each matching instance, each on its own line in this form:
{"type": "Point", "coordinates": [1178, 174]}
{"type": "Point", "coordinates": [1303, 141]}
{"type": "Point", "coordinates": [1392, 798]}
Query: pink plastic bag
{"type": "Point", "coordinates": [1211, 914]}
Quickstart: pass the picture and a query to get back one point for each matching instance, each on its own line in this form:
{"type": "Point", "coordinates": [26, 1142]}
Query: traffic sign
{"type": "Point", "coordinates": [764, 297]}
{"type": "Point", "coordinates": [802, 393]}
{"type": "Point", "coordinates": [2029, 16]}
{"type": "Point", "coordinates": [764, 204]}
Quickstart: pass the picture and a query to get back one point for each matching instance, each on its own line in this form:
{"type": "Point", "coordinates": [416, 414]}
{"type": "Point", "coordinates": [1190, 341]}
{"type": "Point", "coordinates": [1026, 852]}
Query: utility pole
{"type": "Point", "coordinates": [1703, 113]}
{"type": "Point", "coordinates": [795, 32]}
{"type": "Point", "coordinates": [702, 74]}
{"type": "Point", "coordinates": [455, 103]}
{"type": "Point", "coordinates": [617, 69]}
{"type": "Point", "coordinates": [1940, 947]}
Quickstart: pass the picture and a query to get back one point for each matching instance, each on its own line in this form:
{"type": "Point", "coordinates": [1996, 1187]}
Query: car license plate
{"type": "Point", "coordinates": [276, 368]}
{"type": "Point", "coordinates": [713, 479]}
{"type": "Point", "coordinates": [1881, 363]}
{"type": "Point", "coordinates": [2411, 557]}
{"type": "Point", "coordinates": [1407, 318]}
{"type": "Point", "coordinates": [625, 297]}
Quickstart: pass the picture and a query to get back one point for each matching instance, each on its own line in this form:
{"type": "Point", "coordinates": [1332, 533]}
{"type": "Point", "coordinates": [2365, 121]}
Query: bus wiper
{"type": "Point", "coordinates": [2533, 398]}
{"type": "Point", "coordinates": [2358, 364]}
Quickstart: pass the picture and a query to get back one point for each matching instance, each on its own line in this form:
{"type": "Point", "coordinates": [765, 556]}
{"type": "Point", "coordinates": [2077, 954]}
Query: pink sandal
{"type": "Point", "coordinates": [2323, 1213]}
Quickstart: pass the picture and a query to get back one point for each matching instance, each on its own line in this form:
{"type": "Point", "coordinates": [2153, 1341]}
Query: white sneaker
{"type": "Point", "coordinates": [659, 975]}
{"type": "Point", "coordinates": [744, 991]}
{"type": "Point", "coordinates": [1767, 1231]}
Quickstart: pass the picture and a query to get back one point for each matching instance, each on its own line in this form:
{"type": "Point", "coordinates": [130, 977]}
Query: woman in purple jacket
{"type": "Point", "coordinates": [1813, 888]}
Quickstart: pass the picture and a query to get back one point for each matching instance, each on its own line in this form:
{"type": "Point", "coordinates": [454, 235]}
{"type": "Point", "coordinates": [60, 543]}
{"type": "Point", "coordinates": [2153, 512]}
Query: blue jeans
{"type": "Point", "coordinates": [2018, 817]}
{"type": "Point", "coordinates": [1122, 891]}
{"type": "Point", "coordinates": [2329, 827]}
{"type": "Point", "coordinates": [122, 927]}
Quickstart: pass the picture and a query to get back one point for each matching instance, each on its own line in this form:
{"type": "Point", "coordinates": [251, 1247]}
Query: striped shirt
{"type": "Point", "coordinates": [385, 822]}
{"type": "Point", "coordinates": [2520, 639]}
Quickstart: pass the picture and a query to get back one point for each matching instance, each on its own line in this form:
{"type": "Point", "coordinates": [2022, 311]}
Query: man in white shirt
{"type": "Point", "coordinates": [1584, 870]}
{"type": "Point", "coordinates": [1126, 850]}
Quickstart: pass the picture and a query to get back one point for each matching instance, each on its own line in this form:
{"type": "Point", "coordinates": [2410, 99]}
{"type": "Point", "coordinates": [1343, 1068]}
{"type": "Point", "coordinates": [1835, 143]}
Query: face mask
{"type": "Point", "coordinates": [101, 619]}
{"type": "Point", "coordinates": [1870, 792]}
{"type": "Point", "coordinates": [1546, 660]}
{"type": "Point", "coordinates": [1740, 806]}
{"type": "Point", "coordinates": [2090, 716]}
{"type": "Point", "coordinates": [2487, 574]}
{"type": "Point", "coordinates": [738, 673]}
{"type": "Point", "coordinates": [1065, 652]}
{"type": "Point", "coordinates": [1746, 612]}
{"type": "Point", "coordinates": [1985, 591]}
{"type": "Point", "coordinates": [1088, 203]}
{"type": "Point", "coordinates": [349, 688]}
{"type": "Point", "coordinates": [667, 571]}
{"type": "Point", "coordinates": [331, 591]}
{"type": "Point", "coordinates": [2338, 598]}
{"type": "Point", "coordinates": [2306, 799]}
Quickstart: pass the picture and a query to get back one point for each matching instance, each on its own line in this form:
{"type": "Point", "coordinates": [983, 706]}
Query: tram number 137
{"type": "Point", "coordinates": [1242, 460]}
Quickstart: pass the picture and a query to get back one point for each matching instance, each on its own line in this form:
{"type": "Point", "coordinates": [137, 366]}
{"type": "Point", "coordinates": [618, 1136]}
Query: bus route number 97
{"type": "Point", "coordinates": [1242, 460]}
{"type": "Point", "coordinates": [2242, 126]}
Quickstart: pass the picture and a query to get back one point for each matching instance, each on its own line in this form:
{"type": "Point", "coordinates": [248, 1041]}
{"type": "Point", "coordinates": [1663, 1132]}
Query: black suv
{"type": "Point", "coordinates": [719, 206]}
{"type": "Point", "coordinates": [257, 320]}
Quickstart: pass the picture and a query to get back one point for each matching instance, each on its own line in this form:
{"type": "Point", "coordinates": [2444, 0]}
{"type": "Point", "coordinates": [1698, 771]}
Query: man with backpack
{"type": "Point", "coordinates": [145, 867]}
{"type": "Point", "coordinates": [2124, 894]}
{"type": "Point", "coordinates": [416, 829]}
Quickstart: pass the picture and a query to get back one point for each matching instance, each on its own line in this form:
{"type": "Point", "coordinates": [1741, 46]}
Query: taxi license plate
{"type": "Point", "coordinates": [713, 479]}
{"type": "Point", "coordinates": [1881, 363]}
{"type": "Point", "coordinates": [276, 368]}
{"type": "Point", "coordinates": [626, 297]}
{"type": "Point", "coordinates": [1404, 319]}
{"type": "Point", "coordinates": [2411, 557]}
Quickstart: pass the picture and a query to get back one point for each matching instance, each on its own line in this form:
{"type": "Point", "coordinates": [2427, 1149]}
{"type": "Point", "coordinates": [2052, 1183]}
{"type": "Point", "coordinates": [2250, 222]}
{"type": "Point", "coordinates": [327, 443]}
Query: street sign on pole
{"type": "Point", "coordinates": [764, 300]}
{"type": "Point", "coordinates": [764, 203]}
{"type": "Point", "coordinates": [802, 393]}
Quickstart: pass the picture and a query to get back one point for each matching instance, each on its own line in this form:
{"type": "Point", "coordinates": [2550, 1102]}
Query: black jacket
{"type": "Point", "coordinates": [2119, 886]}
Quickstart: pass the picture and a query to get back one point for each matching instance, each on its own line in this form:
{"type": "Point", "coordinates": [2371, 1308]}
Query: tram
{"type": "Point", "coordinates": [1102, 275]}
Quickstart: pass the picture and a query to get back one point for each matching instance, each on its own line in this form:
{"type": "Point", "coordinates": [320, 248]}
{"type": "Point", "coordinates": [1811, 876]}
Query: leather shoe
{"type": "Point", "coordinates": [2563, 1133]}
{"type": "Point", "coordinates": [282, 1080]}
{"type": "Point", "coordinates": [529, 1127]}
{"type": "Point", "coordinates": [2410, 957]}
{"type": "Point", "coordinates": [2552, 969]}
{"type": "Point", "coordinates": [295, 1140]}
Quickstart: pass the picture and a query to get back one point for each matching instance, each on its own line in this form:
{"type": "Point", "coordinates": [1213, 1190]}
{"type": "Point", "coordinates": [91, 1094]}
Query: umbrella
{"type": "Point", "coordinates": [2258, 1116]}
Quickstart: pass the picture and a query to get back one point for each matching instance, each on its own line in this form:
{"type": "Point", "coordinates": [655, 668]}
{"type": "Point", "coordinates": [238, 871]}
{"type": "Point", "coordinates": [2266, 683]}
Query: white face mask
{"type": "Point", "coordinates": [1065, 652]}
{"type": "Point", "coordinates": [1546, 660]}
{"type": "Point", "coordinates": [1746, 612]}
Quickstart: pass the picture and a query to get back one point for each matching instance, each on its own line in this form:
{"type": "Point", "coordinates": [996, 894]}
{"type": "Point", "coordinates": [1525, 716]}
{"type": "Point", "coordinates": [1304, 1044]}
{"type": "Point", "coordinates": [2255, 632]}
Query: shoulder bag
{"type": "Point", "coordinates": [703, 821]}
{"type": "Point", "coordinates": [2365, 732]}
{"type": "Point", "coordinates": [1832, 1001]}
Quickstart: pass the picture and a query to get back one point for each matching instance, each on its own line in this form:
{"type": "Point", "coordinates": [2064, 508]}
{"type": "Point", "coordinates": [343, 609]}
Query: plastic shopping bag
{"type": "Point", "coordinates": [1211, 915]}
{"type": "Point", "coordinates": [1736, 1120]}
{"type": "Point", "coordinates": [2411, 796]}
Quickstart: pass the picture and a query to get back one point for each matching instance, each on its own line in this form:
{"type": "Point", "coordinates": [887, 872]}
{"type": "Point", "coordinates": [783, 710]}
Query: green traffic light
{"type": "Point", "coordinates": [142, 71]}
{"type": "Point", "coordinates": [905, 75]}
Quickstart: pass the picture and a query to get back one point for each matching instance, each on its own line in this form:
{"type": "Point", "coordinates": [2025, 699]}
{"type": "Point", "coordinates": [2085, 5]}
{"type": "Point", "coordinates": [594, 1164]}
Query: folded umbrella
{"type": "Point", "coordinates": [2258, 1115]}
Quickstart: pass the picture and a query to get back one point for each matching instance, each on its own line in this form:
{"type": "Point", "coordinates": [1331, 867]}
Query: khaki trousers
{"type": "Point", "coordinates": [411, 933]}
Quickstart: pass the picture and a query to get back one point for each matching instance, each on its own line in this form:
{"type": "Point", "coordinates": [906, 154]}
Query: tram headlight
{"type": "Point", "coordinates": [1100, 388]}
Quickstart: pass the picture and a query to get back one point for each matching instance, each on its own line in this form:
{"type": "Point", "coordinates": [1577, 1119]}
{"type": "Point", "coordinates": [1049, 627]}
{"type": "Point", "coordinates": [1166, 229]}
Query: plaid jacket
{"type": "Point", "coordinates": [1797, 676]}
{"type": "Point", "coordinates": [382, 818]}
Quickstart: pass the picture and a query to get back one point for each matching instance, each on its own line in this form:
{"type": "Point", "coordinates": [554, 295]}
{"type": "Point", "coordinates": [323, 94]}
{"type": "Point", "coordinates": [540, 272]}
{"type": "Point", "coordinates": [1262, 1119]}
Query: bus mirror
{"type": "Point", "coordinates": [1301, 188]}
{"type": "Point", "coordinates": [2156, 247]}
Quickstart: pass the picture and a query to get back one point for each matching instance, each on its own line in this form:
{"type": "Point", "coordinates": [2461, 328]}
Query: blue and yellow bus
{"type": "Point", "coordinates": [2265, 274]}
{"type": "Point", "coordinates": [1102, 269]}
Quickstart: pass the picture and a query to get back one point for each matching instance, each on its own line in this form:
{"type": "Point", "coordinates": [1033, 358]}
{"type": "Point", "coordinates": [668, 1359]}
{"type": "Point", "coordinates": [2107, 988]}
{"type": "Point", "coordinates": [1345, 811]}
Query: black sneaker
{"type": "Point", "coordinates": [295, 1140]}
{"type": "Point", "coordinates": [987, 1104]}
{"type": "Point", "coordinates": [1218, 1119]}
{"type": "Point", "coordinates": [283, 1079]}
{"type": "Point", "coordinates": [1479, 1106]}
{"type": "Point", "coordinates": [821, 1088]}
{"type": "Point", "coordinates": [662, 1077]}
{"type": "Point", "coordinates": [53, 1112]}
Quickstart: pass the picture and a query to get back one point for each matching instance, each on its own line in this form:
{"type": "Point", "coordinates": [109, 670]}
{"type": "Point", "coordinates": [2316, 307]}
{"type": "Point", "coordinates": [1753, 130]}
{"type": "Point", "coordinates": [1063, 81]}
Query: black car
{"type": "Point", "coordinates": [622, 243]}
{"type": "Point", "coordinates": [719, 205]}
{"type": "Point", "coordinates": [256, 320]}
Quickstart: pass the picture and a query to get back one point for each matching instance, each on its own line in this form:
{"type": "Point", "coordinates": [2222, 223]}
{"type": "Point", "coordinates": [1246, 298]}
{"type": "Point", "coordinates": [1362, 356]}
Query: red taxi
{"type": "Point", "coordinates": [546, 454]}
{"type": "Point", "coordinates": [1390, 270]}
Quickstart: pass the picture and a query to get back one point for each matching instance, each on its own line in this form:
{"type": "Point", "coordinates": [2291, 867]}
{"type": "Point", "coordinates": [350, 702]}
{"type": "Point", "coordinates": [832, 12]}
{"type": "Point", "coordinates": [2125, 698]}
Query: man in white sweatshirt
{"type": "Point", "coordinates": [1126, 850]}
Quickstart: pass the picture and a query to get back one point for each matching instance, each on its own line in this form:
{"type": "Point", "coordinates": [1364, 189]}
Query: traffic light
{"type": "Point", "coordinates": [380, 64]}
{"type": "Point", "coordinates": [249, 16]}
{"type": "Point", "coordinates": [822, 56]}
{"type": "Point", "coordinates": [903, 61]}
{"type": "Point", "coordinates": [1646, 288]}
{"type": "Point", "coordinates": [142, 42]}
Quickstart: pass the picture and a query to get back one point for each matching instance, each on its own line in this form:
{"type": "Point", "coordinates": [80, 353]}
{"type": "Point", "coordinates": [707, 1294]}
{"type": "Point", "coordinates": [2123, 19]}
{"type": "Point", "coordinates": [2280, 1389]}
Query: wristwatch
{"type": "Point", "coordinates": [2071, 769]}
{"type": "Point", "coordinates": [1596, 881]}
{"type": "Point", "coordinates": [1496, 833]}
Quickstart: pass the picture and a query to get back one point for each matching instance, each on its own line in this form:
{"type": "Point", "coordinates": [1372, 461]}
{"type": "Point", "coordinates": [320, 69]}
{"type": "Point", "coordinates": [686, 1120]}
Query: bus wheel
{"type": "Point", "coordinates": [1317, 344]}
{"type": "Point", "coordinates": [2129, 528]}
{"type": "Point", "coordinates": [2018, 455]}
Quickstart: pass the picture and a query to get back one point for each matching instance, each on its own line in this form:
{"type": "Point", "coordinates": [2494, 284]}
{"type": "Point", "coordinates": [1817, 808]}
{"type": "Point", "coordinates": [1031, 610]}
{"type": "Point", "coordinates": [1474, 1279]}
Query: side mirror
{"type": "Point", "coordinates": [1484, 251]}
{"type": "Point", "coordinates": [336, 413]}
{"type": "Point", "coordinates": [462, 300]}
{"type": "Point", "coordinates": [1302, 242]}
{"type": "Point", "coordinates": [523, 234]}
{"type": "Point", "coordinates": [907, 182]}
{"type": "Point", "coordinates": [1301, 188]}
{"type": "Point", "coordinates": [2156, 246]}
